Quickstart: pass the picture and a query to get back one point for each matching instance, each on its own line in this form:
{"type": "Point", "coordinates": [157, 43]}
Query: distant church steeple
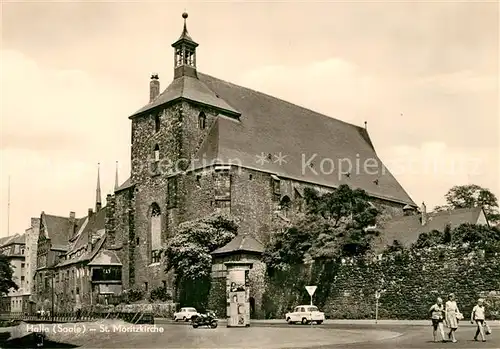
{"type": "Point", "coordinates": [116, 176]}
{"type": "Point", "coordinates": [185, 54]}
{"type": "Point", "coordinates": [98, 202]}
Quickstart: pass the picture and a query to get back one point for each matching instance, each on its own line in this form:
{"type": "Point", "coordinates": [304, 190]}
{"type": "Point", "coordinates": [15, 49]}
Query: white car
{"type": "Point", "coordinates": [185, 314]}
{"type": "Point", "coordinates": [305, 314]}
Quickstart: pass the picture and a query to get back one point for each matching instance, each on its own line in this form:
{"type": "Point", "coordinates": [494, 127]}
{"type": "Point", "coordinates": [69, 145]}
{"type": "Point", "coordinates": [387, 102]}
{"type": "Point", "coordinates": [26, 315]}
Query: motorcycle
{"type": "Point", "coordinates": [209, 319]}
{"type": "Point", "coordinates": [39, 339]}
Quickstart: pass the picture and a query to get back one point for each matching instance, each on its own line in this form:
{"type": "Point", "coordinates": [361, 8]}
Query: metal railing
{"type": "Point", "coordinates": [131, 317]}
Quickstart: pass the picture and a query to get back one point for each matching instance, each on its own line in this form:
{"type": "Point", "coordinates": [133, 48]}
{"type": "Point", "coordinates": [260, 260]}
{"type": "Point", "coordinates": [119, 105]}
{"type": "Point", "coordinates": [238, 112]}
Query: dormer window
{"type": "Point", "coordinates": [157, 122]}
{"type": "Point", "coordinates": [202, 120]}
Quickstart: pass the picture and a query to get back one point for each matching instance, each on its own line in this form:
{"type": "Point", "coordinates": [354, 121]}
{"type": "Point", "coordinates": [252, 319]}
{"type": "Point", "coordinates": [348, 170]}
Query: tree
{"type": "Point", "coordinates": [477, 236]}
{"type": "Point", "coordinates": [469, 196]}
{"type": "Point", "coordinates": [188, 254]}
{"type": "Point", "coordinates": [334, 225]}
{"type": "Point", "coordinates": [6, 274]}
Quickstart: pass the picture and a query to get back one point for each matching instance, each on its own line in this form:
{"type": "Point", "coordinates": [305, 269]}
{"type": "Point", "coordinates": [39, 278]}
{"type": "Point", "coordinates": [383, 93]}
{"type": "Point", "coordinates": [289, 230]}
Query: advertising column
{"type": "Point", "coordinates": [238, 294]}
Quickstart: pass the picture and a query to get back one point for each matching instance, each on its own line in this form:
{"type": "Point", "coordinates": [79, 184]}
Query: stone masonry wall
{"type": "Point", "coordinates": [411, 284]}
{"type": "Point", "coordinates": [31, 253]}
{"type": "Point", "coordinates": [123, 229]}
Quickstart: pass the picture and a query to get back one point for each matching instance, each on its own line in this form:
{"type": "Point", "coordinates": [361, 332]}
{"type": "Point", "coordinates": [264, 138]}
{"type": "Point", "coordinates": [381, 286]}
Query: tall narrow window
{"type": "Point", "coordinates": [285, 205]}
{"type": "Point", "coordinates": [157, 153]}
{"type": "Point", "coordinates": [157, 122]}
{"type": "Point", "coordinates": [202, 120]}
{"type": "Point", "coordinates": [156, 160]}
{"type": "Point", "coordinates": [222, 191]}
{"type": "Point", "coordinates": [276, 187]}
{"type": "Point", "coordinates": [172, 192]}
{"type": "Point", "coordinates": [155, 231]}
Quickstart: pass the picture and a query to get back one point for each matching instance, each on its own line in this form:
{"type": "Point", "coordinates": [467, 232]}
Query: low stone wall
{"type": "Point", "coordinates": [165, 310]}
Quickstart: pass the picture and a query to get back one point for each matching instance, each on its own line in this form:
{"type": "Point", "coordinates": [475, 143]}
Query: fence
{"type": "Point", "coordinates": [132, 317]}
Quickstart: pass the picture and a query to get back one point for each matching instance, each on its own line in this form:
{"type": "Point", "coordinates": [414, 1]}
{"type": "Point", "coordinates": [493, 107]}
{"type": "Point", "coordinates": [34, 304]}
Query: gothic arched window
{"type": "Point", "coordinates": [202, 121]}
{"type": "Point", "coordinates": [155, 231]}
{"type": "Point", "coordinates": [285, 205]}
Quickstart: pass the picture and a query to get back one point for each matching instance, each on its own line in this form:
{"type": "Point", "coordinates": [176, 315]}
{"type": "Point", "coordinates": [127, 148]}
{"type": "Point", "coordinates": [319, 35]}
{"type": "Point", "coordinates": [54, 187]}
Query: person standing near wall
{"type": "Point", "coordinates": [437, 315]}
{"type": "Point", "coordinates": [477, 315]}
{"type": "Point", "coordinates": [452, 316]}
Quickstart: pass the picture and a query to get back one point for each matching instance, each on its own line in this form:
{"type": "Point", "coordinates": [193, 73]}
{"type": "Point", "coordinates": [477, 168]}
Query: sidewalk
{"type": "Point", "coordinates": [491, 323]}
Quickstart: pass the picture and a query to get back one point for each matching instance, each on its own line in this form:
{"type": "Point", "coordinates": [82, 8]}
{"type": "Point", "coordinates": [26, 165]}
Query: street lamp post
{"type": "Point", "coordinates": [377, 296]}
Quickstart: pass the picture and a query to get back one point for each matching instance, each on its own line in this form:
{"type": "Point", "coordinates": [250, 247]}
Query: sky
{"type": "Point", "coordinates": [423, 75]}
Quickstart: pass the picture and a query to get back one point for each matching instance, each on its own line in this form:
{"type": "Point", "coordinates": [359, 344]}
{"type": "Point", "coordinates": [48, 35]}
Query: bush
{"type": "Point", "coordinates": [159, 294]}
{"type": "Point", "coordinates": [132, 295]}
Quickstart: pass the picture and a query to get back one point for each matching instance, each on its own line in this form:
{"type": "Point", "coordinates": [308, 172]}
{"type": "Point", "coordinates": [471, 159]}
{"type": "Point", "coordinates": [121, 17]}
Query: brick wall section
{"type": "Point", "coordinates": [252, 202]}
{"type": "Point", "coordinates": [109, 221]}
{"type": "Point", "coordinates": [31, 252]}
{"type": "Point", "coordinates": [124, 232]}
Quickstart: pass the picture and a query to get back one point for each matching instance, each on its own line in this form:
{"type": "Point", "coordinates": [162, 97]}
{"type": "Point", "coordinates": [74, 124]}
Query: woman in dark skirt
{"type": "Point", "coordinates": [437, 315]}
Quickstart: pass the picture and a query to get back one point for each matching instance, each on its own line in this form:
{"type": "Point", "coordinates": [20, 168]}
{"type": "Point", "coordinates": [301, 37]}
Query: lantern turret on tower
{"type": "Point", "coordinates": [185, 54]}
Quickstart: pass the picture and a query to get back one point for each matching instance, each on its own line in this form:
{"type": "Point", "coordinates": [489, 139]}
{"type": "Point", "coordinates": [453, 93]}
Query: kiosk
{"type": "Point", "coordinates": [238, 293]}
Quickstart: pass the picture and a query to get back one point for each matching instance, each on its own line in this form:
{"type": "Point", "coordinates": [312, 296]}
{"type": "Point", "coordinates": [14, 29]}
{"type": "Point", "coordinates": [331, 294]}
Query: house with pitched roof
{"type": "Point", "coordinates": [76, 265]}
{"type": "Point", "coordinates": [407, 228]}
{"type": "Point", "coordinates": [205, 145]}
{"type": "Point", "coordinates": [14, 247]}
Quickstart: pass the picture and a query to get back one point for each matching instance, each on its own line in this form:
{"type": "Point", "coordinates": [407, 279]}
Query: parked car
{"type": "Point", "coordinates": [305, 314]}
{"type": "Point", "coordinates": [185, 314]}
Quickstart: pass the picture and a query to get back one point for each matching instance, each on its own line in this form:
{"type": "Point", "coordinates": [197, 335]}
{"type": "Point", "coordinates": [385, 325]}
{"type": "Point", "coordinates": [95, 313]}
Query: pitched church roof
{"type": "Point", "coordinates": [254, 128]}
{"type": "Point", "coordinates": [406, 229]}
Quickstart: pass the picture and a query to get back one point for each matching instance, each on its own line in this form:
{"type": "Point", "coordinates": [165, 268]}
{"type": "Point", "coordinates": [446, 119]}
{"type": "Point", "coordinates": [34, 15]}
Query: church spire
{"type": "Point", "coordinates": [116, 176]}
{"type": "Point", "coordinates": [98, 202]}
{"type": "Point", "coordinates": [185, 54]}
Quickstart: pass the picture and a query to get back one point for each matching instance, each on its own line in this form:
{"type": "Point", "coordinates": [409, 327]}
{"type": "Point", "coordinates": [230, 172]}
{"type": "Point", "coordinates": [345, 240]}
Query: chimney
{"type": "Point", "coordinates": [72, 224]}
{"type": "Point", "coordinates": [35, 223]}
{"type": "Point", "coordinates": [154, 87]}
{"type": "Point", "coordinates": [424, 214]}
{"type": "Point", "coordinates": [91, 212]}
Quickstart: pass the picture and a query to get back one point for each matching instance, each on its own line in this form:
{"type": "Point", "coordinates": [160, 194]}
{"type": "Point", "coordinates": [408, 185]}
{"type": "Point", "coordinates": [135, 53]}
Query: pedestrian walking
{"type": "Point", "coordinates": [452, 316]}
{"type": "Point", "coordinates": [477, 316]}
{"type": "Point", "coordinates": [437, 317]}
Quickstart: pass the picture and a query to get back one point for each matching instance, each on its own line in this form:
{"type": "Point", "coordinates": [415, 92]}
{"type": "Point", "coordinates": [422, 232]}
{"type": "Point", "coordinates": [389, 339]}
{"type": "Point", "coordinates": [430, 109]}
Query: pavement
{"type": "Point", "coordinates": [491, 323]}
{"type": "Point", "coordinates": [272, 334]}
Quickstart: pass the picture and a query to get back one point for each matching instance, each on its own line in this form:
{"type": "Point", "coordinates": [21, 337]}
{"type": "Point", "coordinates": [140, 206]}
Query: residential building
{"type": "Point", "coordinates": [406, 229]}
{"type": "Point", "coordinates": [75, 268]}
{"type": "Point", "coordinates": [14, 248]}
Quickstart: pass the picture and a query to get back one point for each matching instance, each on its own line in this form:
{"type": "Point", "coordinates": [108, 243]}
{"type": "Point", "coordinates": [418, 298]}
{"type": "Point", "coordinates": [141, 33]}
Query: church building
{"type": "Point", "coordinates": [205, 145]}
